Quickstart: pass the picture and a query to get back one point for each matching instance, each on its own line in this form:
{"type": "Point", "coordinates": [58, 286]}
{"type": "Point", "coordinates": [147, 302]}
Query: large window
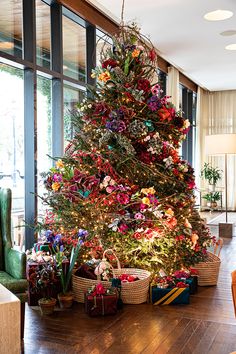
{"type": "Point", "coordinates": [44, 132]}
{"type": "Point", "coordinates": [43, 34]}
{"type": "Point", "coordinates": [74, 49]}
{"type": "Point", "coordinates": [72, 96]}
{"type": "Point", "coordinates": [44, 69]}
{"type": "Point", "coordinates": [11, 27]}
{"type": "Point", "coordinates": [188, 104]}
{"type": "Point", "coordinates": [12, 142]}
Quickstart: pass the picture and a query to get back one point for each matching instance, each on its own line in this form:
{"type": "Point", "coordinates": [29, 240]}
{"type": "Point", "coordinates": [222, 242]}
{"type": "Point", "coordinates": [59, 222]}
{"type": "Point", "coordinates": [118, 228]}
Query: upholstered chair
{"type": "Point", "coordinates": [12, 262]}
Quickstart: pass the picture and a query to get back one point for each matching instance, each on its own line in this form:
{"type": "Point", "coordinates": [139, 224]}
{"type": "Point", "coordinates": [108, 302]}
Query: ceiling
{"type": "Point", "coordinates": [183, 37]}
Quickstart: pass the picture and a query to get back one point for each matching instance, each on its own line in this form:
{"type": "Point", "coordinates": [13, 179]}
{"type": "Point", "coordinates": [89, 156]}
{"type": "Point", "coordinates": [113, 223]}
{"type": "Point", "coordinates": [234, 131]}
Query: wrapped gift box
{"type": "Point", "coordinates": [193, 284]}
{"type": "Point", "coordinates": [100, 305]}
{"type": "Point", "coordinates": [169, 296]}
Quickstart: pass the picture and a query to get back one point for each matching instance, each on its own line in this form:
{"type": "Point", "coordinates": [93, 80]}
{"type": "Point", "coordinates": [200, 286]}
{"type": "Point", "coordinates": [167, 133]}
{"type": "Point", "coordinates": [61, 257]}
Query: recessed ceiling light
{"type": "Point", "coordinates": [231, 46]}
{"type": "Point", "coordinates": [6, 45]}
{"type": "Point", "coordinates": [218, 15]}
{"type": "Point", "coordinates": [228, 33]}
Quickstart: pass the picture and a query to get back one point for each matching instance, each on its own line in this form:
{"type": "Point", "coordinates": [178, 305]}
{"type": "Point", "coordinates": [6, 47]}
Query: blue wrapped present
{"type": "Point", "coordinates": [169, 296]}
{"type": "Point", "coordinates": [193, 284]}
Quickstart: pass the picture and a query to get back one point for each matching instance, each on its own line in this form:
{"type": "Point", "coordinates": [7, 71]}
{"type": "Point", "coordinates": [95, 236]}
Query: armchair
{"type": "Point", "coordinates": [12, 262]}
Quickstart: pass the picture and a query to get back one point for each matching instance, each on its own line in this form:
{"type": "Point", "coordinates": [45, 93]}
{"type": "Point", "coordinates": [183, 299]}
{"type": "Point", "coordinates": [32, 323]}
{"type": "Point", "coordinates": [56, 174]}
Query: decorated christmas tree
{"type": "Point", "coordinates": [122, 179]}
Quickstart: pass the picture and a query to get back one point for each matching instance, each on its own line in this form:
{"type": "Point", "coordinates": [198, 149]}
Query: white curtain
{"type": "Point", "coordinates": [173, 86]}
{"type": "Point", "coordinates": [217, 115]}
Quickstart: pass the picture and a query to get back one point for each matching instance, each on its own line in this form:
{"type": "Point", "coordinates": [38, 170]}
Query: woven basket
{"type": "Point", "coordinates": [131, 293]}
{"type": "Point", "coordinates": [208, 271]}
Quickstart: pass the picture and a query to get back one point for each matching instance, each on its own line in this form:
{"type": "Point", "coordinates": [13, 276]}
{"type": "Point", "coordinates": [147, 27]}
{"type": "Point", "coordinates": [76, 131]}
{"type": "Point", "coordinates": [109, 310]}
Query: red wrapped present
{"type": "Point", "coordinates": [100, 305]}
{"type": "Point", "coordinates": [100, 301]}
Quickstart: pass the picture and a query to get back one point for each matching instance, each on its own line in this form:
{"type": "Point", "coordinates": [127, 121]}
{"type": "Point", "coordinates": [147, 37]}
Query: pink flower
{"type": "Point", "coordinates": [123, 228]}
{"type": "Point", "coordinates": [139, 216]}
{"type": "Point", "coordinates": [110, 189]}
{"type": "Point", "coordinates": [122, 198]}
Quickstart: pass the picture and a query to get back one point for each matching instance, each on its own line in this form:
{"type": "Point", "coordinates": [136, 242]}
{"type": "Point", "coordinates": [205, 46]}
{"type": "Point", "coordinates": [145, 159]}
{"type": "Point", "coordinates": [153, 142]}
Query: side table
{"type": "Point", "coordinates": [10, 341]}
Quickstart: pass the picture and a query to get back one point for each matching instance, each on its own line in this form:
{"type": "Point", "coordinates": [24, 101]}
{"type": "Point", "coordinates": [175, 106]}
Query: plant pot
{"type": "Point", "coordinates": [212, 204]}
{"type": "Point", "coordinates": [65, 300]}
{"type": "Point", "coordinates": [47, 305]}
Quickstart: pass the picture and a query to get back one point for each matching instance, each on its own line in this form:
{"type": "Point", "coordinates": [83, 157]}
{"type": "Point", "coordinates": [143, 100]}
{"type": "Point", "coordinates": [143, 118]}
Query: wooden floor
{"type": "Point", "coordinates": [205, 326]}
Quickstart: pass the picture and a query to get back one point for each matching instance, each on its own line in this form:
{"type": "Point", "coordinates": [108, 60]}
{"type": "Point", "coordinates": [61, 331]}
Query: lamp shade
{"type": "Point", "coordinates": [220, 144]}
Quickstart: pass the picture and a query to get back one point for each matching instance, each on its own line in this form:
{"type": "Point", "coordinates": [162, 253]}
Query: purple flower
{"type": "Point", "coordinates": [82, 235]}
{"type": "Point", "coordinates": [116, 126]}
{"type": "Point", "coordinates": [61, 248]}
{"type": "Point", "coordinates": [49, 236]}
{"type": "Point", "coordinates": [154, 103]}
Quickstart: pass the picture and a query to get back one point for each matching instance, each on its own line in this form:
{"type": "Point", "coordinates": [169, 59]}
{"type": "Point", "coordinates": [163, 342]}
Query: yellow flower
{"type": "Point", "coordinates": [135, 53]}
{"type": "Point", "coordinates": [59, 164]}
{"type": "Point", "coordinates": [169, 212]}
{"type": "Point", "coordinates": [104, 76]}
{"type": "Point", "coordinates": [146, 200]}
{"type": "Point", "coordinates": [93, 75]}
{"type": "Point", "coordinates": [56, 186]}
{"type": "Point", "coordinates": [147, 191]}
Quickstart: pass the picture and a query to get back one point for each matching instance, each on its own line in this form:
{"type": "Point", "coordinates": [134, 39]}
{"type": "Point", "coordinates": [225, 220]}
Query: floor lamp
{"type": "Point", "coordinates": [222, 144]}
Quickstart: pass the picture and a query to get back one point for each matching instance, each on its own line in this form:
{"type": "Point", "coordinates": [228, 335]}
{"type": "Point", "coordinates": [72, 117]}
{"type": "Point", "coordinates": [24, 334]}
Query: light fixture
{"type": "Point", "coordinates": [228, 33]}
{"type": "Point", "coordinates": [231, 46]}
{"type": "Point", "coordinates": [222, 144]}
{"type": "Point", "coordinates": [218, 15]}
{"type": "Point", "coordinates": [6, 45]}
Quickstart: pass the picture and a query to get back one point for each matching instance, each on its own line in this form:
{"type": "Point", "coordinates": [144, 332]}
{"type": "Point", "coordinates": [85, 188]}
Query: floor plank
{"type": "Point", "coordinates": [206, 326]}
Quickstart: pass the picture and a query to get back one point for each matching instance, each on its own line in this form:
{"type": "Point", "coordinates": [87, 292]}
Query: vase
{"type": "Point", "coordinates": [47, 305]}
{"type": "Point", "coordinates": [65, 300]}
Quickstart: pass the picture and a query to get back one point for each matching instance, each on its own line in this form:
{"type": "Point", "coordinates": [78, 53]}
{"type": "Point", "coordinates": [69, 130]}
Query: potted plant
{"type": "Point", "coordinates": [65, 268]}
{"type": "Point", "coordinates": [211, 174]}
{"type": "Point", "coordinates": [212, 198]}
{"type": "Point", "coordinates": [45, 280]}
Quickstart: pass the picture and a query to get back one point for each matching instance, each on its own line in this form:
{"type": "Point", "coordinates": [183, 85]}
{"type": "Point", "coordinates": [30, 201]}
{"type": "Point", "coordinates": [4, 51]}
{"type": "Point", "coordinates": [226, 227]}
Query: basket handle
{"type": "Point", "coordinates": [218, 246]}
{"type": "Point", "coordinates": [117, 260]}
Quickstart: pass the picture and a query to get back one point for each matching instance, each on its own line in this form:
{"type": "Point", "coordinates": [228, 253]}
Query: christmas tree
{"type": "Point", "coordinates": [121, 178]}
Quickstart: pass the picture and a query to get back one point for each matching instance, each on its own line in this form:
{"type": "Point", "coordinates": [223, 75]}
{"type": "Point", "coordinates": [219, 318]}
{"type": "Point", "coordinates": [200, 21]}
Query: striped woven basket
{"type": "Point", "coordinates": [208, 271]}
{"type": "Point", "coordinates": [131, 293]}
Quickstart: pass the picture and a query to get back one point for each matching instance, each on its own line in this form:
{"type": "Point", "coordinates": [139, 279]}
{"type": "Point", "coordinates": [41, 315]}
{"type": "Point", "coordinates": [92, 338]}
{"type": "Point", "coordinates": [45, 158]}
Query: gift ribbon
{"type": "Point", "coordinates": [168, 298]}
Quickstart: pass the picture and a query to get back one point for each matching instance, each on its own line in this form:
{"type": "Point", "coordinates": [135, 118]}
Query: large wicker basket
{"type": "Point", "coordinates": [208, 271]}
{"type": "Point", "coordinates": [131, 293]}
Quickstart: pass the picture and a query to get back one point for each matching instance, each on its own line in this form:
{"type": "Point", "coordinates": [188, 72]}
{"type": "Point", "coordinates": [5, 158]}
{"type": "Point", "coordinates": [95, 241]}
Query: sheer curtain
{"type": "Point", "coordinates": [217, 115]}
{"type": "Point", "coordinates": [173, 85]}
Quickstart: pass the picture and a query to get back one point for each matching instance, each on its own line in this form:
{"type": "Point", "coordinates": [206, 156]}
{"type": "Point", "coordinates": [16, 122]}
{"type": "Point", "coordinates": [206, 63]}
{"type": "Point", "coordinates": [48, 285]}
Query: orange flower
{"type": "Point", "coordinates": [147, 191]}
{"type": "Point", "coordinates": [104, 76]}
{"type": "Point", "coordinates": [56, 186]}
{"type": "Point", "coordinates": [59, 164]}
{"type": "Point", "coordinates": [135, 53]}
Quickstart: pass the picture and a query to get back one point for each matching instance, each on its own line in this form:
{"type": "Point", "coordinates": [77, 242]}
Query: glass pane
{"type": "Point", "coordinates": [11, 27]}
{"type": "Point", "coordinates": [12, 144]}
{"type": "Point", "coordinates": [43, 34]}
{"type": "Point", "coordinates": [44, 132]}
{"type": "Point", "coordinates": [103, 42]}
{"type": "Point", "coordinates": [74, 50]}
{"type": "Point", "coordinates": [71, 97]}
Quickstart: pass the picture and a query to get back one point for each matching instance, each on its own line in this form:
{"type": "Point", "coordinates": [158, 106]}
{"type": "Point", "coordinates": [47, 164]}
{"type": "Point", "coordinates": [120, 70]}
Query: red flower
{"type": "Point", "coordinates": [180, 284]}
{"type": "Point", "coordinates": [152, 55]}
{"type": "Point", "coordinates": [137, 235]}
{"type": "Point", "coordinates": [109, 62]}
{"type": "Point", "coordinates": [144, 84]}
{"type": "Point", "coordinates": [164, 114]}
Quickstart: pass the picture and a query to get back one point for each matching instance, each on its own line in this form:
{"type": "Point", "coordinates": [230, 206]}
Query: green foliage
{"type": "Point", "coordinates": [212, 196]}
{"type": "Point", "coordinates": [211, 174]}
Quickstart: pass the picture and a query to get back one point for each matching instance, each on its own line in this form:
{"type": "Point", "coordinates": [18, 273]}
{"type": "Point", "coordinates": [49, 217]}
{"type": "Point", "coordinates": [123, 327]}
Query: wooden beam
{"type": "Point", "coordinates": [185, 81]}
{"type": "Point", "coordinates": [91, 14]}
